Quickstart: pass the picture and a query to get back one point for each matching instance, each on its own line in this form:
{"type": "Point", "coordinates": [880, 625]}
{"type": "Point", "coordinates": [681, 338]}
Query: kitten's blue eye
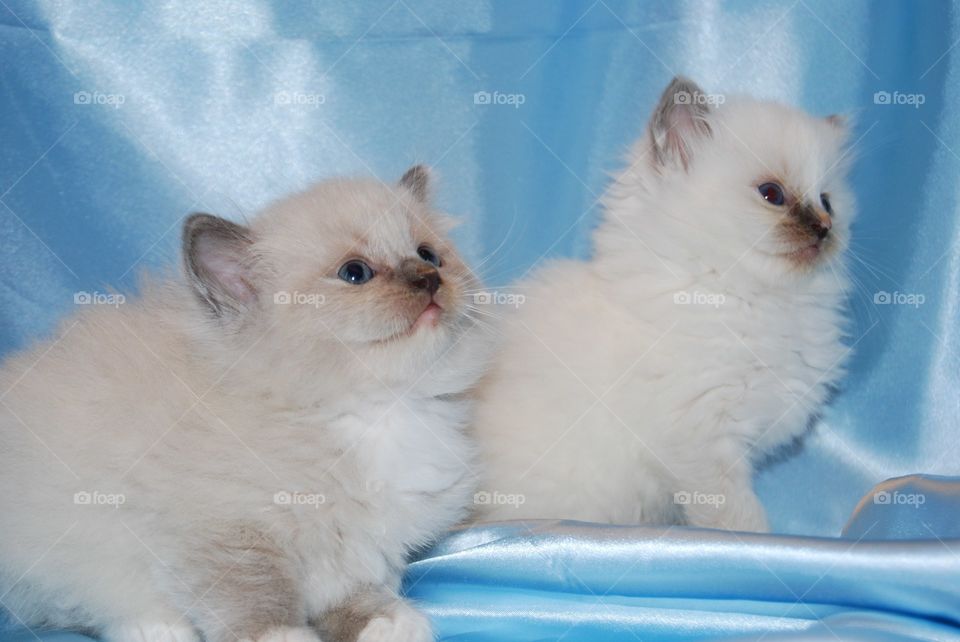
{"type": "Point", "coordinates": [825, 202]}
{"type": "Point", "coordinates": [355, 272]}
{"type": "Point", "coordinates": [772, 193]}
{"type": "Point", "coordinates": [428, 255]}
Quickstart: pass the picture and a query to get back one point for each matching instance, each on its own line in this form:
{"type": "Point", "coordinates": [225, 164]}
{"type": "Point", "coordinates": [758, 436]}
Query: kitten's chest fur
{"type": "Point", "coordinates": [770, 356]}
{"type": "Point", "coordinates": [407, 451]}
{"type": "Point", "coordinates": [392, 473]}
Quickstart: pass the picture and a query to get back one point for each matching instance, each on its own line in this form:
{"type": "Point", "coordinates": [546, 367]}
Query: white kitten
{"type": "Point", "coordinates": [252, 452]}
{"type": "Point", "coordinates": [641, 386]}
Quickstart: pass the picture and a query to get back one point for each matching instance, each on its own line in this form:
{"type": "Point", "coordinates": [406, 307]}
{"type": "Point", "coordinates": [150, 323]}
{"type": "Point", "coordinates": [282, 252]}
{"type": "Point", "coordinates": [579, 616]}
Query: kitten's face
{"type": "Point", "coordinates": [769, 183]}
{"type": "Point", "coordinates": [361, 273]}
{"type": "Point", "coordinates": [784, 194]}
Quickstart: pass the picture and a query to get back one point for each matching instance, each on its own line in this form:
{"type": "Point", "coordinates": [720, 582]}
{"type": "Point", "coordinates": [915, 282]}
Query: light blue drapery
{"type": "Point", "coordinates": [117, 120]}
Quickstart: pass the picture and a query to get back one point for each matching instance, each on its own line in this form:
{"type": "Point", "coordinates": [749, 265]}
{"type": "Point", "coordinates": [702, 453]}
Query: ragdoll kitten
{"type": "Point", "coordinates": [642, 385]}
{"type": "Point", "coordinates": [249, 453]}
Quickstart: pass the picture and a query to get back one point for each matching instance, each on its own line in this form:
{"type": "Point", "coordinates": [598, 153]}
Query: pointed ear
{"type": "Point", "coordinates": [837, 120]}
{"type": "Point", "coordinates": [678, 121]}
{"type": "Point", "coordinates": [218, 260]}
{"type": "Point", "coordinates": [417, 181]}
{"type": "Point", "coordinates": [843, 124]}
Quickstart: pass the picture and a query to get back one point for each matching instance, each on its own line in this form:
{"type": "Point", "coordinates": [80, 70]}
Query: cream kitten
{"type": "Point", "coordinates": [252, 452]}
{"type": "Point", "coordinates": [641, 386]}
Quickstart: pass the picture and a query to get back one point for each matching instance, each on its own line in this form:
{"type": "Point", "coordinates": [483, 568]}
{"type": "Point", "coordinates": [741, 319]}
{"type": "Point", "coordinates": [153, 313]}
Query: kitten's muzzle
{"type": "Point", "coordinates": [814, 219]}
{"type": "Point", "coordinates": [421, 275]}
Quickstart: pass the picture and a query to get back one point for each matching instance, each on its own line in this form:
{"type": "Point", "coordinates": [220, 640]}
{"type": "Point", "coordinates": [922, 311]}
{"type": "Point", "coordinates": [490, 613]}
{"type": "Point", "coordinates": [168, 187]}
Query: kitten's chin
{"type": "Point", "coordinates": [805, 256]}
{"type": "Point", "coordinates": [810, 257]}
{"type": "Point", "coordinates": [791, 266]}
{"type": "Point", "coordinates": [410, 354]}
{"type": "Point", "coordinates": [428, 319]}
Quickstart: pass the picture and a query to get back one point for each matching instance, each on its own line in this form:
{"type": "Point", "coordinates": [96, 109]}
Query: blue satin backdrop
{"type": "Point", "coordinates": [120, 119]}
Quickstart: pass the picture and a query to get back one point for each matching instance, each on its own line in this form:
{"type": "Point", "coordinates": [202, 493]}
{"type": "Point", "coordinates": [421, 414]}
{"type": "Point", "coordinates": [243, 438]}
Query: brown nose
{"type": "Point", "coordinates": [821, 225]}
{"type": "Point", "coordinates": [820, 229]}
{"type": "Point", "coordinates": [817, 221]}
{"type": "Point", "coordinates": [421, 275]}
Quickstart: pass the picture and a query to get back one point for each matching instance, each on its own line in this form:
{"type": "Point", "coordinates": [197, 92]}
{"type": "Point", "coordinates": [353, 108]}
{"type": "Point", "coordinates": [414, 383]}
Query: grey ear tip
{"type": "Point", "coordinates": [416, 172]}
{"type": "Point", "coordinates": [683, 83]}
{"type": "Point", "coordinates": [840, 121]}
{"type": "Point", "coordinates": [198, 222]}
{"type": "Point", "coordinates": [202, 222]}
{"type": "Point", "coordinates": [206, 236]}
{"type": "Point", "coordinates": [417, 180]}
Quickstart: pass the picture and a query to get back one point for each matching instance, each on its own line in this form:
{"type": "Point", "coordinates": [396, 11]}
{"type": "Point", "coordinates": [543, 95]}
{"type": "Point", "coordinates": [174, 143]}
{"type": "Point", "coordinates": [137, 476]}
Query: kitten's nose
{"type": "Point", "coordinates": [813, 218]}
{"type": "Point", "coordinates": [421, 275]}
{"type": "Point", "coordinates": [429, 281]}
{"type": "Point", "coordinates": [821, 226]}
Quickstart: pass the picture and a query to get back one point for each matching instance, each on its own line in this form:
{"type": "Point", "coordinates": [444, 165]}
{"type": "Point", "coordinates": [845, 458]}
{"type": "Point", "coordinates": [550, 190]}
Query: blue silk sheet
{"type": "Point", "coordinates": [118, 119]}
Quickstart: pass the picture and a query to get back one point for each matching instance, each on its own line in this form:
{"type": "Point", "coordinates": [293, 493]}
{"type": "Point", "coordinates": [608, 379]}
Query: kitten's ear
{"type": "Point", "coordinates": [218, 259]}
{"type": "Point", "coordinates": [837, 120]}
{"type": "Point", "coordinates": [417, 181]}
{"type": "Point", "coordinates": [678, 121]}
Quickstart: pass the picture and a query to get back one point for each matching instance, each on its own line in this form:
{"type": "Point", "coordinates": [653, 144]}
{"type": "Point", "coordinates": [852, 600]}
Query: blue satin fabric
{"type": "Point", "coordinates": [574, 581]}
{"type": "Point", "coordinates": [118, 120]}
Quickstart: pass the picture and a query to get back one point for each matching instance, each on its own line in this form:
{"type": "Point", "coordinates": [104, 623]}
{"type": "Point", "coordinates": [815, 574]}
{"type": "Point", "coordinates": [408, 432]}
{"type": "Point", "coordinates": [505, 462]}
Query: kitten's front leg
{"type": "Point", "coordinates": [725, 500]}
{"type": "Point", "coordinates": [171, 629]}
{"type": "Point", "coordinates": [241, 585]}
{"type": "Point", "coordinates": [375, 614]}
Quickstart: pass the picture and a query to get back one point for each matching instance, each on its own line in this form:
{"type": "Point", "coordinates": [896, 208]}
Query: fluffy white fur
{"type": "Point", "coordinates": [277, 461]}
{"type": "Point", "coordinates": [613, 400]}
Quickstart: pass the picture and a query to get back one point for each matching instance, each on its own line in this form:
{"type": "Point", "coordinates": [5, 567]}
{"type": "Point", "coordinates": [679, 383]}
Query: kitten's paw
{"type": "Point", "coordinates": [151, 632]}
{"type": "Point", "coordinates": [740, 512]}
{"type": "Point", "coordinates": [288, 634]}
{"type": "Point", "coordinates": [751, 522]}
{"type": "Point", "coordinates": [402, 623]}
